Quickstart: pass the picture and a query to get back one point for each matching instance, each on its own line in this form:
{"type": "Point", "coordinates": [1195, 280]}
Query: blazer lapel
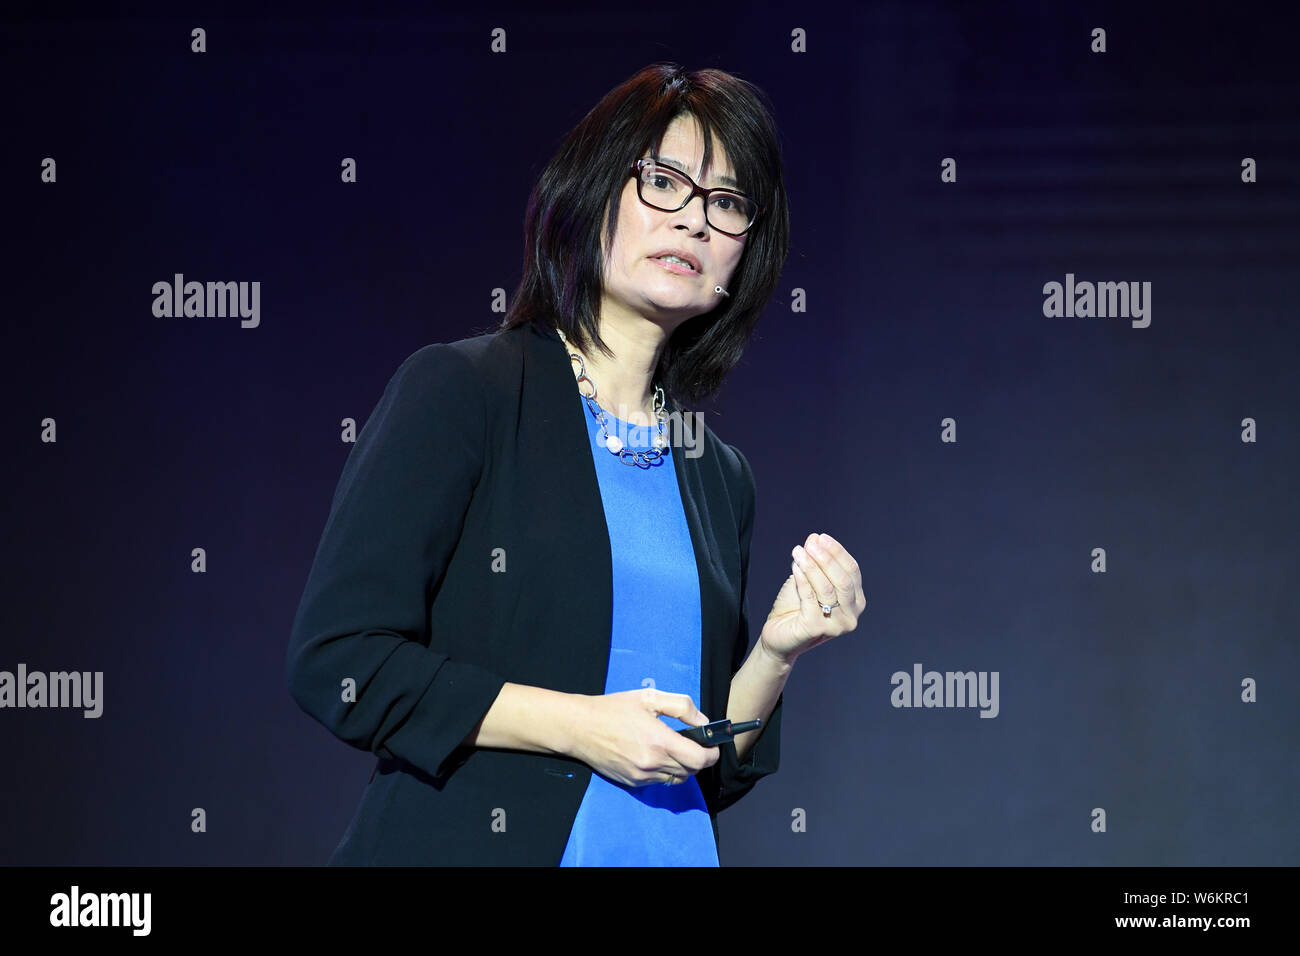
{"type": "Point", "coordinates": [713, 584]}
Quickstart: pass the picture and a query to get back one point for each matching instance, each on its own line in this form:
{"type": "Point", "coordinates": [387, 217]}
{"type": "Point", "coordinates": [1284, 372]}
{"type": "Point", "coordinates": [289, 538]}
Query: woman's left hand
{"type": "Point", "coordinates": [823, 573]}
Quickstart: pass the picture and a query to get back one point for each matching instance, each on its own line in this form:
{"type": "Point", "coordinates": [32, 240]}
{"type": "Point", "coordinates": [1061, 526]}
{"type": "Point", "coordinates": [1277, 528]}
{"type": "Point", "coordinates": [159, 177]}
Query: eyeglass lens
{"type": "Point", "coordinates": [667, 189]}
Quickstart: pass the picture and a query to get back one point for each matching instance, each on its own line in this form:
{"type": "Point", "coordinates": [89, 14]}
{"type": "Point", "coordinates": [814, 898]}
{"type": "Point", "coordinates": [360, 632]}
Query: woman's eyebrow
{"type": "Point", "coordinates": [678, 164]}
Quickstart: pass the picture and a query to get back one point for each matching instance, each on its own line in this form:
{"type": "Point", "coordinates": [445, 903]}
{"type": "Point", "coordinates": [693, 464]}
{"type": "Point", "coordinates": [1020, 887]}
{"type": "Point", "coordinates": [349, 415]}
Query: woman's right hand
{"type": "Point", "coordinates": [621, 737]}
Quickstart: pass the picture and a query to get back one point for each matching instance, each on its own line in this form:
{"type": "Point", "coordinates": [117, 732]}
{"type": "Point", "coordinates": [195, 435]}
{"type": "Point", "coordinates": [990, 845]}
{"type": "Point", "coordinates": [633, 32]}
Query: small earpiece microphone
{"type": "Point", "coordinates": [719, 290]}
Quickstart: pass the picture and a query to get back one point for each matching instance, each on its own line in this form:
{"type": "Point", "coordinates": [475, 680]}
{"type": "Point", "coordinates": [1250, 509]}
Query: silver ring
{"type": "Point", "coordinates": [827, 608]}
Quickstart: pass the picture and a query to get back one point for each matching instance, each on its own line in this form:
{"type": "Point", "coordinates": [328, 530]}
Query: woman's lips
{"type": "Point", "coordinates": [676, 267]}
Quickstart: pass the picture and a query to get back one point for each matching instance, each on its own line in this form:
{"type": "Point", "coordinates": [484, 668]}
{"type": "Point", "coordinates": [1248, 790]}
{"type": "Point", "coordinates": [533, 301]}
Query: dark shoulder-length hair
{"type": "Point", "coordinates": [563, 253]}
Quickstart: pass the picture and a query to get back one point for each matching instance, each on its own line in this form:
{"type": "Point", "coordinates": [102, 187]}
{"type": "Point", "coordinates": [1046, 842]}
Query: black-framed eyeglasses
{"type": "Point", "coordinates": [668, 190]}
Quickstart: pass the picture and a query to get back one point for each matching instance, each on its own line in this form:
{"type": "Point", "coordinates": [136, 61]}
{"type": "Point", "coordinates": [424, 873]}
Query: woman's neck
{"type": "Point", "coordinates": [623, 383]}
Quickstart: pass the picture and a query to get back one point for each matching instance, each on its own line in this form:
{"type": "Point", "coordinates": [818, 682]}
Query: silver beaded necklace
{"type": "Point", "coordinates": [629, 456]}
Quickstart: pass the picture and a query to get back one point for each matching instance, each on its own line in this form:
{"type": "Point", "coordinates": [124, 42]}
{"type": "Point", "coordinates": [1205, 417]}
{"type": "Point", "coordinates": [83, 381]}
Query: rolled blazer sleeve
{"type": "Point", "coordinates": [394, 522]}
{"type": "Point", "coordinates": [764, 757]}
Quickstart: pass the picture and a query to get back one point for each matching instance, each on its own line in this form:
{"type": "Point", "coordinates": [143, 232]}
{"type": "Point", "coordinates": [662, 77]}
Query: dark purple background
{"type": "Point", "coordinates": [1119, 690]}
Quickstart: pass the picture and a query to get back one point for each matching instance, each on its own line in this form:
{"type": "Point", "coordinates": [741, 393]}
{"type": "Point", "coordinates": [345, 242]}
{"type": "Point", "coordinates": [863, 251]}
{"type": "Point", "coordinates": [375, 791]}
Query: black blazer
{"type": "Point", "coordinates": [477, 457]}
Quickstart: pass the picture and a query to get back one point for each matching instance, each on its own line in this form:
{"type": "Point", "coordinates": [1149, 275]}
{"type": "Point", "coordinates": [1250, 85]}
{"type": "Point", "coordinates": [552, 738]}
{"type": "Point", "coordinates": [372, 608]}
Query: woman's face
{"type": "Point", "coordinates": [635, 280]}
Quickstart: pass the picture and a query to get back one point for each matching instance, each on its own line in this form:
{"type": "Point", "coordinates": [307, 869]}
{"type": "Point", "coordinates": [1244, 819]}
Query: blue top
{"type": "Point", "coordinates": [655, 642]}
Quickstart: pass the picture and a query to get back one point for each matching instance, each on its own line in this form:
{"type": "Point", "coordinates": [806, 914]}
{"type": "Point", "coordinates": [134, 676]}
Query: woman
{"type": "Point", "coordinates": [510, 618]}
